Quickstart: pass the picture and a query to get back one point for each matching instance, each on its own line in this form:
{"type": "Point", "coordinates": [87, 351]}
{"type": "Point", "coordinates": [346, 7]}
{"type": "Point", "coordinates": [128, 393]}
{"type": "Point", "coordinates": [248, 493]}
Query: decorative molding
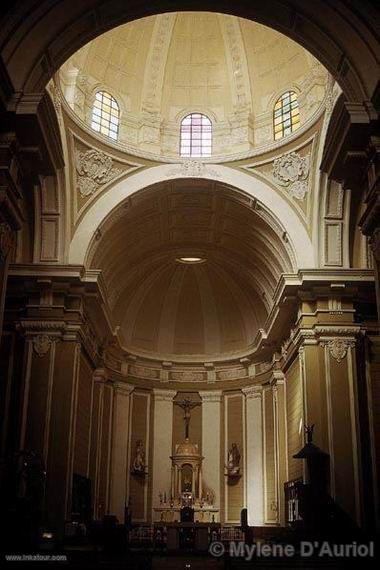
{"type": "Point", "coordinates": [42, 344]}
{"type": "Point", "coordinates": [231, 374]}
{"type": "Point", "coordinates": [253, 392]}
{"type": "Point", "coordinates": [164, 395]}
{"type": "Point", "coordinates": [291, 170]}
{"type": "Point", "coordinates": [188, 376]}
{"type": "Point", "coordinates": [212, 396]}
{"type": "Point", "coordinates": [94, 170]}
{"type": "Point", "coordinates": [57, 327]}
{"type": "Point", "coordinates": [156, 61]}
{"type": "Point", "coordinates": [334, 330]}
{"type": "Point", "coordinates": [142, 371]}
{"type": "Point", "coordinates": [193, 169]}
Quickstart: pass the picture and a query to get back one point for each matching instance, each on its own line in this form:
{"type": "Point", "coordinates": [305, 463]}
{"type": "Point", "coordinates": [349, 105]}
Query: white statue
{"type": "Point", "coordinates": [139, 460]}
{"type": "Point", "coordinates": [233, 460]}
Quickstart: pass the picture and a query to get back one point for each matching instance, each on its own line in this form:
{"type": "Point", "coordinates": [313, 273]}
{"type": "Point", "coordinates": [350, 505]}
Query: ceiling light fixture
{"type": "Point", "coordinates": [191, 259]}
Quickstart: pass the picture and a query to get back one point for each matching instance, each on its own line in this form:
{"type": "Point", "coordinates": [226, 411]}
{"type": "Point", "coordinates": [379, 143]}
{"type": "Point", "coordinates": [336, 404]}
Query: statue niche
{"type": "Point", "coordinates": [138, 465]}
{"type": "Point", "coordinates": [232, 469]}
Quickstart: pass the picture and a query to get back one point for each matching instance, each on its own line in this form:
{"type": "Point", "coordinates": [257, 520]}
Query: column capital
{"type": "Point", "coordinates": [253, 392]}
{"type": "Point", "coordinates": [278, 377]}
{"type": "Point", "coordinates": [100, 375]}
{"type": "Point", "coordinates": [211, 396]}
{"type": "Point", "coordinates": [164, 395]}
{"type": "Point", "coordinates": [123, 388]}
{"type": "Point", "coordinates": [338, 347]}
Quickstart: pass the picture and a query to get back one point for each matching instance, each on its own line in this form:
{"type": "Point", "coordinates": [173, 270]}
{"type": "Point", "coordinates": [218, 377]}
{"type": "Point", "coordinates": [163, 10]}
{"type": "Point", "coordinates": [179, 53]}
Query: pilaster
{"type": "Point", "coordinates": [211, 441]}
{"type": "Point", "coordinates": [120, 438]}
{"type": "Point", "coordinates": [254, 454]}
{"type": "Point", "coordinates": [162, 442]}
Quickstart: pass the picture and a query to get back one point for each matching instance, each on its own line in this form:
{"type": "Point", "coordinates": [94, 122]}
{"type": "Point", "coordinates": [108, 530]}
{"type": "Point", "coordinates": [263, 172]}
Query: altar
{"type": "Point", "coordinates": [186, 489]}
{"type": "Point", "coordinates": [197, 536]}
{"type": "Point", "coordinates": [169, 514]}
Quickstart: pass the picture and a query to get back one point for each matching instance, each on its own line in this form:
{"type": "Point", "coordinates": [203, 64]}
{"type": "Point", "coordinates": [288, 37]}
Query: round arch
{"type": "Point", "coordinates": [278, 206]}
{"type": "Point", "coordinates": [36, 39]}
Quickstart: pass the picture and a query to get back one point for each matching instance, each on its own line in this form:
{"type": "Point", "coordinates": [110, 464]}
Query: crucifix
{"type": "Point", "coordinates": [187, 406]}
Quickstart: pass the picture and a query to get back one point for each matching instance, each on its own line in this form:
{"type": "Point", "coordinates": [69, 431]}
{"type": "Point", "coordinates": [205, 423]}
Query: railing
{"type": "Point", "coordinates": [293, 491]}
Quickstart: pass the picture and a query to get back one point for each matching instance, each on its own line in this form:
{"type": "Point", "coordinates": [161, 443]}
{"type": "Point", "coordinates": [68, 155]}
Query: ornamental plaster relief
{"type": "Point", "coordinates": [41, 344]}
{"type": "Point", "coordinates": [167, 372]}
{"type": "Point", "coordinates": [95, 170]}
{"type": "Point", "coordinates": [193, 169]}
{"type": "Point", "coordinates": [291, 170]}
{"type": "Point", "coordinates": [338, 348]}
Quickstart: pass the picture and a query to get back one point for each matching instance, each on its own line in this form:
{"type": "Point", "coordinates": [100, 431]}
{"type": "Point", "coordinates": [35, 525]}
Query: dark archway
{"type": "Point", "coordinates": [37, 37]}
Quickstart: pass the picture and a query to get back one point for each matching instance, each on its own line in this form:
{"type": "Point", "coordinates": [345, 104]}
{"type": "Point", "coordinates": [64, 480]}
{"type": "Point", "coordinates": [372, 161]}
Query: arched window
{"type": "Point", "coordinates": [105, 115]}
{"type": "Point", "coordinates": [286, 115]}
{"type": "Point", "coordinates": [196, 133]}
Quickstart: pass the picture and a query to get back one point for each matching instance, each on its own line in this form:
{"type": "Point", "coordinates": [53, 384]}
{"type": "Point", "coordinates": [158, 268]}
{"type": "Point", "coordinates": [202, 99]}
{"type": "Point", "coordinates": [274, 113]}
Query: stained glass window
{"type": "Point", "coordinates": [105, 115]}
{"type": "Point", "coordinates": [196, 136]}
{"type": "Point", "coordinates": [286, 115]}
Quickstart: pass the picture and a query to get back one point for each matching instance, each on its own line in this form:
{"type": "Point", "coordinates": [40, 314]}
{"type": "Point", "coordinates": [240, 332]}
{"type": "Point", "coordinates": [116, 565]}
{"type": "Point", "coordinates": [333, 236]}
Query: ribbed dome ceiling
{"type": "Point", "coordinates": [161, 67]}
{"type": "Point", "coordinates": [167, 309]}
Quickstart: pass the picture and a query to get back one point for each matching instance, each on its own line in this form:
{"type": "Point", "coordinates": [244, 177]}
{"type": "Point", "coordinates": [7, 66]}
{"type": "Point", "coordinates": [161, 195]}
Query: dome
{"type": "Point", "coordinates": [161, 68]}
{"type": "Point", "coordinates": [189, 267]}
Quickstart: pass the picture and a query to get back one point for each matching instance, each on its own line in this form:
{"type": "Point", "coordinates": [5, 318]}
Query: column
{"type": "Point", "coordinates": [211, 469]}
{"type": "Point", "coordinates": [162, 442]}
{"type": "Point", "coordinates": [120, 438]}
{"type": "Point", "coordinates": [254, 455]}
{"type": "Point", "coordinates": [279, 403]}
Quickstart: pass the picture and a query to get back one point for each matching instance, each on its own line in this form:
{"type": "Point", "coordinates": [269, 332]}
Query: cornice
{"type": "Point", "coordinates": [241, 366]}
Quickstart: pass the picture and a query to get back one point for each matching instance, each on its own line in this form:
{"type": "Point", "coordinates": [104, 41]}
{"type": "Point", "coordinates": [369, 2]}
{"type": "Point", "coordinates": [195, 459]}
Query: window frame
{"type": "Point", "coordinates": [105, 115]}
{"type": "Point", "coordinates": [286, 115]}
{"type": "Point", "coordinates": [196, 128]}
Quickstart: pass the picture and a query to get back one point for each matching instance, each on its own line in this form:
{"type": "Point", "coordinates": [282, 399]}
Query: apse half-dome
{"type": "Point", "coordinates": [209, 308]}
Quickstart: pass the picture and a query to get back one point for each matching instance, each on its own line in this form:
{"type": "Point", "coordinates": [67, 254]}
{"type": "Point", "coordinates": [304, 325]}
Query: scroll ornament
{"type": "Point", "coordinates": [291, 170]}
{"type": "Point", "coordinates": [94, 169]}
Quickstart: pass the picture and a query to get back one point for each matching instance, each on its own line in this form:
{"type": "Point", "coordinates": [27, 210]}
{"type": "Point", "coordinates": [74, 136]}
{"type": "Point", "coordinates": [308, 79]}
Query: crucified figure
{"type": "Point", "coordinates": [187, 405]}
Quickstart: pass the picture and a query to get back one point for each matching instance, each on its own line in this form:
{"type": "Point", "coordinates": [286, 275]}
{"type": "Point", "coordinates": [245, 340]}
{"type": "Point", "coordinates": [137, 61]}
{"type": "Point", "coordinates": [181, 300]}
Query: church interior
{"type": "Point", "coordinates": [189, 281]}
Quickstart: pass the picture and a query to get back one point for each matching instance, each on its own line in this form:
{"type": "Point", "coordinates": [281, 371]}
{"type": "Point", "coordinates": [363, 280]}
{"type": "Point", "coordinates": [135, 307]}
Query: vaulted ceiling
{"type": "Point", "coordinates": [165, 308]}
